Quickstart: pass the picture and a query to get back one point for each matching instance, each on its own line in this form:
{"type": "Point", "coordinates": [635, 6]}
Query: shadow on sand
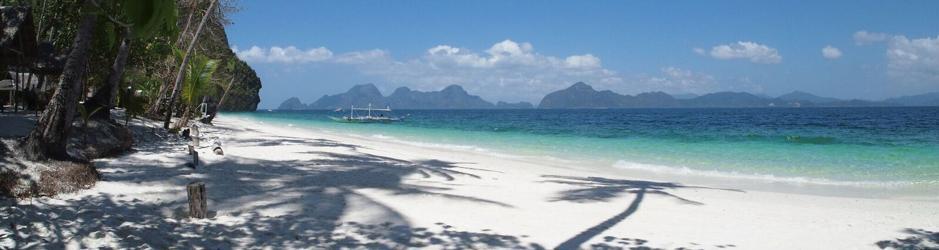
{"type": "Point", "coordinates": [255, 203]}
{"type": "Point", "coordinates": [599, 189]}
{"type": "Point", "coordinates": [917, 239]}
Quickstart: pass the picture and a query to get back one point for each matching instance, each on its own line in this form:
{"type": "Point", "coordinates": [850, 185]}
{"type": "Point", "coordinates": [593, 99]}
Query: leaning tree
{"type": "Point", "coordinates": [49, 138]}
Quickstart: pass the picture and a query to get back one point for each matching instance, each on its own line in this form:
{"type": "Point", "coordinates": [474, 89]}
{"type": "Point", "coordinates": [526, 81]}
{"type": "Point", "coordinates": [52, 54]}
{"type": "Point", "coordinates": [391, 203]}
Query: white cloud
{"type": "Point", "coordinates": [364, 57]}
{"type": "Point", "coordinates": [289, 54]}
{"type": "Point", "coordinates": [913, 61]}
{"type": "Point", "coordinates": [699, 51]}
{"type": "Point", "coordinates": [582, 61]}
{"type": "Point", "coordinates": [864, 37]}
{"type": "Point", "coordinates": [755, 52]}
{"type": "Point", "coordinates": [506, 71]}
{"type": "Point", "coordinates": [830, 52]}
{"type": "Point", "coordinates": [678, 81]}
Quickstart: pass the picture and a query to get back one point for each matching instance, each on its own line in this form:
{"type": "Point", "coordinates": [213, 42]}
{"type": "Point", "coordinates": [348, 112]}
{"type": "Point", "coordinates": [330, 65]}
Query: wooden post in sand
{"type": "Point", "coordinates": [194, 144]}
{"type": "Point", "coordinates": [197, 203]}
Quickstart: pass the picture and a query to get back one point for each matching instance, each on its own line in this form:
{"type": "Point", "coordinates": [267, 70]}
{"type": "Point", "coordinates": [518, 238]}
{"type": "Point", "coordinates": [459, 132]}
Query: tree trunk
{"type": "Point", "coordinates": [222, 100]}
{"type": "Point", "coordinates": [105, 97]}
{"type": "Point", "coordinates": [29, 81]}
{"type": "Point", "coordinates": [197, 201]}
{"type": "Point", "coordinates": [155, 107]}
{"type": "Point", "coordinates": [49, 137]}
{"type": "Point", "coordinates": [192, 11]}
{"type": "Point", "coordinates": [16, 88]}
{"type": "Point", "coordinates": [182, 66]}
{"type": "Point", "coordinates": [161, 101]}
{"type": "Point", "coordinates": [184, 119]}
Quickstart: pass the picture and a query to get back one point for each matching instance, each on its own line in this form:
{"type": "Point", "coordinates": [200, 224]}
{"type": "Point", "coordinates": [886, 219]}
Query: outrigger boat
{"type": "Point", "coordinates": [368, 118]}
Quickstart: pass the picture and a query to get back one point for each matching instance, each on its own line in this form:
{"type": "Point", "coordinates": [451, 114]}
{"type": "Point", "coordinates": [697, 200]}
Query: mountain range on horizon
{"type": "Point", "coordinates": [451, 97]}
{"type": "Point", "coordinates": [582, 95]}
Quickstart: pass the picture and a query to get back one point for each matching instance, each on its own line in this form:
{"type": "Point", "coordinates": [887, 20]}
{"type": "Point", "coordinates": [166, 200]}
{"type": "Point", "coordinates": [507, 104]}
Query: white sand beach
{"type": "Point", "coordinates": [280, 187]}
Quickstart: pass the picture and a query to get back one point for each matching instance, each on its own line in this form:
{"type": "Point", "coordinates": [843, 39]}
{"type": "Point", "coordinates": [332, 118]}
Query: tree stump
{"type": "Point", "coordinates": [195, 157]}
{"type": "Point", "coordinates": [197, 202]}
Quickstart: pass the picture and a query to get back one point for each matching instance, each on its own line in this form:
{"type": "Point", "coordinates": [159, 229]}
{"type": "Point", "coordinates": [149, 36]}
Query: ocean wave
{"type": "Point", "coordinates": [446, 146]}
{"type": "Point", "coordinates": [769, 178]}
{"type": "Point", "coordinates": [811, 139]}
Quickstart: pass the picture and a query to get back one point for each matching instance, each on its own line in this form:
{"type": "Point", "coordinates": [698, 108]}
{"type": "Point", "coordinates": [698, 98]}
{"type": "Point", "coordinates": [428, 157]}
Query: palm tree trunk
{"type": "Point", "coordinates": [154, 110]}
{"type": "Point", "coordinates": [586, 235]}
{"type": "Point", "coordinates": [48, 139]}
{"type": "Point", "coordinates": [222, 100]}
{"type": "Point", "coordinates": [105, 97]}
{"type": "Point", "coordinates": [182, 67]}
{"type": "Point", "coordinates": [187, 114]}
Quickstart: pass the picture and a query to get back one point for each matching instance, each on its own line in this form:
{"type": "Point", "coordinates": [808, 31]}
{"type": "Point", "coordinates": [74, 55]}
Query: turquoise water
{"type": "Point", "coordinates": [850, 145]}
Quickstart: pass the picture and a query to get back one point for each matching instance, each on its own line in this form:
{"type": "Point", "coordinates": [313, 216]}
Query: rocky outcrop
{"type": "Point", "coordinates": [451, 97]}
{"type": "Point", "coordinates": [799, 96]}
{"type": "Point", "coordinates": [99, 139]}
{"type": "Point", "coordinates": [581, 95]}
{"type": "Point", "coordinates": [244, 94]}
{"type": "Point", "coordinates": [292, 104]}
{"type": "Point", "coordinates": [358, 95]}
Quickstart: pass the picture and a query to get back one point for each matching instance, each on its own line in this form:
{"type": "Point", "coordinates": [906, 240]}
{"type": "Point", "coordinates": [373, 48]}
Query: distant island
{"type": "Point", "coordinates": [451, 97]}
{"type": "Point", "coordinates": [581, 95]}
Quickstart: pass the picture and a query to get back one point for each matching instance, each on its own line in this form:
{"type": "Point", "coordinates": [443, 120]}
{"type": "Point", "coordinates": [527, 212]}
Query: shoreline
{"type": "Point", "coordinates": [749, 181]}
{"type": "Point", "coordinates": [284, 187]}
{"type": "Point", "coordinates": [830, 208]}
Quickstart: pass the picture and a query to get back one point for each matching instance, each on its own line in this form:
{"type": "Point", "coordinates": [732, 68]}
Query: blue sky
{"type": "Point", "coordinates": [521, 50]}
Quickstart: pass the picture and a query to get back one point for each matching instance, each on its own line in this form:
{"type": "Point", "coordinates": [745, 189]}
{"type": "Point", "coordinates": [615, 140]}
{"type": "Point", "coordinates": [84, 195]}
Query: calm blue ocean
{"type": "Point", "coordinates": [859, 145]}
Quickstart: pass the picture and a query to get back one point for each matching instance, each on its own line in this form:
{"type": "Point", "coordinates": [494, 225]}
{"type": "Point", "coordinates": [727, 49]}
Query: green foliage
{"type": "Point", "coordinates": [145, 91]}
{"type": "Point", "coordinates": [86, 116]}
{"type": "Point", "coordinates": [150, 17]}
{"type": "Point", "coordinates": [148, 86]}
{"type": "Point", "coordinates": [198, 78]}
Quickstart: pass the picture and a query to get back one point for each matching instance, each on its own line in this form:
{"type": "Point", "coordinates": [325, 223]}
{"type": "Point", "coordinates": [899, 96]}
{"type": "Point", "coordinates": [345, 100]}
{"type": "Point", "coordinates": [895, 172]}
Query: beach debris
{"type": "Point", "coordinates": [194, 133]}
{"type": "Point", "coordinates": [197, 201]}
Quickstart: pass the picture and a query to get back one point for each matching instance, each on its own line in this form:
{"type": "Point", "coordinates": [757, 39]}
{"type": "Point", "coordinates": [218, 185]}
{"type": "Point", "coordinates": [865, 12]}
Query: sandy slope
{"type": "Point", "coordinates": [283, 187]}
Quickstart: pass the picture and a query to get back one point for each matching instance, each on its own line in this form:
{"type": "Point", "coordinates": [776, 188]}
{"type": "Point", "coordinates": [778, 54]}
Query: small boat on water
{"type": "Point", "coordinates": [381, 117]}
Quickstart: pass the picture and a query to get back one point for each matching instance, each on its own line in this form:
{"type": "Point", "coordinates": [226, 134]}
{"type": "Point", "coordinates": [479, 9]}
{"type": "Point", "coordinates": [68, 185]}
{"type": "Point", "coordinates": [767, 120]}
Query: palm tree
{"type": "Point", "coordinates": [182, 66]}
{"type": "Point", "coordinates": [198, 77]}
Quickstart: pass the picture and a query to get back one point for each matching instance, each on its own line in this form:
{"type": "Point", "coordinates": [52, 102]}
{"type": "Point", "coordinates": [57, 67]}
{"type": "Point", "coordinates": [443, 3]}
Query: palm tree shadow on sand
{"type": "Point", "coordinates": [599, 189]}
{"type": "Point", "coordinates": [280, 204]}
{"type": "Point", "coordinates": [916, 239]}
